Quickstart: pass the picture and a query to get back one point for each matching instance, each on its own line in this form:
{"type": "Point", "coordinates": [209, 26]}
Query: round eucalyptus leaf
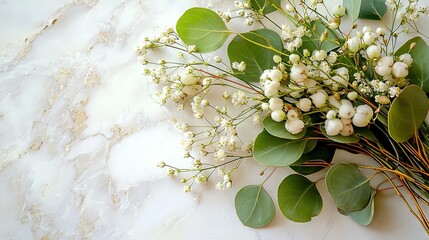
{"type": "Point", "coordinates": [320, 153]}
{"type": "Point", "coordinates": [278, 129]}
{"type": "Point", "coordinates": [348, 186]}
{"type": "Point", "coordinates": [298, 198]}
{"type": "Point", "coordinates": [255, 49]}
{"type": "Point", "coordinates": [203, 28]}
{"type": "Point", "coordinates": [374, 9]}
{"type": "Point", "coordinates": [366, 133]}
{"type": "Point", "coordinates": [352, 8]}
{"type": "Point", "coordinates": [365, 216]}
{"type": "Point", "coordinates": [266, 6]}
{"type": "Point", "coordinates": [419, 70]}
{"type": "Point", "coordinates": [254, 206]}
{"type": "Point", "coordinates": [339, 138]}
{"type": "Point", "coordinates": [277, 152]}
{"type": "Point", "coordinates": [311, 144]}
{"type": "Point", "coordinates": [407, 113]}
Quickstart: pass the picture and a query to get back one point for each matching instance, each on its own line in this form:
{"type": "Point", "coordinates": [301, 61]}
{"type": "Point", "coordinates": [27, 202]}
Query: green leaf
{"type": "Point", "coordinates": [419, 70]}
{"type": "Point", "coordinates": [266, 6]}
{"type": "Point", "coordinates": [299, 200]}
{"type": "Point", "coordinates": [278, 129]}
{"type": "Point", "coordinates": [364, 216]}
{"type": "Point", "coordinates": [373, 9]}
{"type": "Point", "coordinates": [313, 43]}
{"type": "Point", "coordinates": [203, 28]}
{"type": "Point", "coordinates": [353, 8]}
{"type": "Point", "coordinates": [254, 206]}
{"type": "Point", "coordinates": [255, 49]}
{"type": "Point", "coordinates": [366, 133]}
{"type": "Point", "coordinates": [339, 138]}
{"type": "Point", "coordinates": [277, 152]}
{"type": "Point", "coordinates": [407, 113]}
{"type": "Point", "coordinates": [320, 153]}
{"type": "Point", "coordinates": [348, 186]}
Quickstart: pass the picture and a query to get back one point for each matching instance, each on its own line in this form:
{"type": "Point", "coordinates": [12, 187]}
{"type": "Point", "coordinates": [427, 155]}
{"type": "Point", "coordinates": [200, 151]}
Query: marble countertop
{"type": "Point", "coordinates": [81, 134]}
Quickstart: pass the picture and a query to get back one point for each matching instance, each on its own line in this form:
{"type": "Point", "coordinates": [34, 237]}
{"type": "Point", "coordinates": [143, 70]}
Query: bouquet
{"type": "Point", "coordinates": [315, 85]}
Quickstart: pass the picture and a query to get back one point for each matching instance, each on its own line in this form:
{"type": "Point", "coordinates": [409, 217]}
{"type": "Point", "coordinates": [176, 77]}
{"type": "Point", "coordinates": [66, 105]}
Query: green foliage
{"type": "Point", "coordinates": [313, 42]}
{"type": "Point", "coordinates": [407, 113]}
{"type": "Point", "coordinates": [320, 153]}
{"type": "Point", "coordinates": [348, 186]}
{"type": "Point", "coordinates": [365, 9]}
{"type": "Point", "coordinates": [256, 49]}
{"type": "Point", "coordinates": [419, 70]}
{"type": "Point", "coordinates": [203, 28]}
{"type": "Point", "coordinates": [254, 206]}
{"type": "Point", "coordinates": [299, 200]}
{"type": "Point", "coordinates": [265, 6]}
{"type": "Point", "coordinates": [278, 152]}
{"type": "Point", "coordinates": [278, 129]}
{"type": "Point", "coordinates": [364, 216]}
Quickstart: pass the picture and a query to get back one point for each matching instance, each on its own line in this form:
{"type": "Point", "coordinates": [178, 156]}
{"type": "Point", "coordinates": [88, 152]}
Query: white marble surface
{"type": "Point", "coordinates": [80, 136]}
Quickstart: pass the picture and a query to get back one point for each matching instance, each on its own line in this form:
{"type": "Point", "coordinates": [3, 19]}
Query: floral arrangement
{"type": "Point", "coordinates": [315, 85]}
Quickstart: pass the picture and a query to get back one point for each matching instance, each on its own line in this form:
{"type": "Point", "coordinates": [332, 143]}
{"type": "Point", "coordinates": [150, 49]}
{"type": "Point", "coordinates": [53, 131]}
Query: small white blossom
{"type": "Point", "coordinates": [333, 126]}
{"type": "Point", "coordinates": [304, 104]}
{"type": "Point", "coordinates": [373, 51]}
{"type": "Point", "coordinates": [278, 115]}
{"type": "Point", "coordinates": [406, 58]}
{"type": "Point", "coordinates": [294, 58]}
{"type": "Point", "coordinates": [294, 126]}
{"type": "Point", "coordinates": [353, 44]}
{"type": "Point", "coordinates": [339, 11]}
{"type": "Point", "coordinates": [381, 31]}
{"type": "Point", "coordinates": [384, 66]}
{"type": "Point", "coordinates": [319, 99]}
{"type": "Point", "coordinates": [276, 104]}
{"type": "Point", "coordinates": [400, 69]}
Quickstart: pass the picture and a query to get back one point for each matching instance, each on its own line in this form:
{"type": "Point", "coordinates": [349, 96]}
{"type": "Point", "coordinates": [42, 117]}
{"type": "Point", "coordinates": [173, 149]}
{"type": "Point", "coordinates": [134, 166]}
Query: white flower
{"type": "Point", "coordinates": [346, 110]}
{"type": "Point", "coordinates": [353, 44]}
{"type": "Point", "coordinates": [276, 104]}
{"type": "Point", "coordinates": [289, 8]}
{"type": "Point", "coordinates": [340, 80]}
{"type": "Point", "coordinates": [319, 99]}
{"type": "Point", "coordinates": [384, 66]}
{"type": "Point", "coordinates": [304, 104]}
{"type": "Point", "coordinates": [294, 58]}
{"type": "Point", "coordinates": [382, 99]}
{"type": "Point", "coordinates": [278, 115]}
{"type": "Point", "coordinates": [369, 38]}
{"type": "Point", "coordinates": [362, 116]}
{"type": "Point", "coordinates": [366, 29]}
{"type": "Point", "coordinates": [347, 127]}
{"type": "Point", "coordinates": [332, 57]}
{"type": "Point", "coordinates": [292, 114]}
{"type": "Point", "coordinates": [373, 51]}
{"type": "Point", "coordinates": [277, 58]}
{"type": "Point", "coordinates": [352, 95]}
{"type": "Point", "coordinates": [331, 114]}
{"type": "Point", "coordinates": [333, 25]}
{"type": "Point", "coordinates": [334, 102]}
{"type": "Point", "coordinates": [188, 78]}
{"type": "Point", "coordinates": [276, 75]}
{"type": "Point", "coordinates": [406, 58]}
{"type": "Point", "coordinates": [298, 72]}
{"type": "Point", "coordinates": [333, 126]}
{"type": "Point", "coordinates": [400, 69]}
{"type": "Point", "coordinates": [272, 89]}
{"type": "Point", "coordinates": [265, 106]}
{"type": "Point", "coordinates": [343, 71]}
{"type": "Point", "coordinates": [294, 126]}
{"type": "Point", "coordinates": [381, 31]}
{"type": "Point", "coordinates": [339, 11]}
{"type": "Point", "coordinates": [320, 55]}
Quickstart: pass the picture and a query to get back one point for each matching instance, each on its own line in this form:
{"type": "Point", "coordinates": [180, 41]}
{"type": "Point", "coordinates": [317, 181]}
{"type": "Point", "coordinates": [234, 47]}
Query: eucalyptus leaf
{"type": "Point", "coordinates": [255, 48]}
{"type": "Point", "coordinates": [339, 138]}
{"type": "Point", "coordinates": [353, 8]}
{"type": "Point", "coordinates": [407, 113]}
{"type": "Point", "coordinates": [320, 153]}
{"type": "Point", "coordinates": [278, 129]}
{"type": "Point", "coordinates": [348, 186]}
{"type": "Point", "coordinates": [313, 42]}
{"type": "Point", "coordinates": [419, 70]}
{"type": "Point", "coordinates": [298, 198]}
{"type": "Point", "coordinates": [366, 133]}
{"type": "Point", "coordinates": [272, 151]}
{"type": "Point", "coordinates": [266, 6]}
{"type": "Point", "coordinates": [372, 9]}
{"type": "Point", "coordinates": [311, 144]}
{"type": "Point", "coordinates": [365, 216]}
{"type": "Point", "coordinates": [254, 206]}
{"type": "Point", "coordinates": [203, 28]}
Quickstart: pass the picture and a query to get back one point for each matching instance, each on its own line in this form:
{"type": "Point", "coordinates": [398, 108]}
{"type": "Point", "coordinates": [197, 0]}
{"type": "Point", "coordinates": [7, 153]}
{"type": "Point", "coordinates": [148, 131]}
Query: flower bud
{"type": "Point", "coordinates": [346, 111]}
{"type": "Point", "coordinates": [276, 104]}
{"type": "Point", "coordinates": [319, 99]}
{"type": "Point", "coordinates": [292, 114]}
{"type": "Point", "coordinates": [294, 126]}
{"type": "Point", "coordinates": [289, 8]}
{"type": "Point", "coordinates": [400, 69]}
{"type": "Point", "coordinates": [369, 38]}
{"type": "Point", "coordinates": [320, 55]}
{"type": "Point", "coordinates": [294, 58]}
{"type": "Point", "coordinates": [265, 106]}
{"type": "Point", "coordinates": [363, 116]}
{"type": "Point", "coordinates": [332, 57]}
{"type": "Point", "coordinates": [333, 126]}
{"type": "Point", "coordinates": [352, 95]}
{"type": "Point", "coordinates": [382, 99]}
{"type": "Point", "coordinates": [384, 66]}
{"type": "Point", "coordinates": [304, 104]}
{"type": "Point", "coordinates": [353, 44]}
{"type": "Point", "coordinates": [272, 89]}
{"type": "Point", "coordinates": [366, 29]}
{"type": "Point", "coordinates": [278, 115]}
{"type": "Point", "coordinates": [339, 11]}
{"type": "Point", "coordinates": [298, 72]}
{"type": "Point", "coordinates": [381, 31]}
{"type": "Point", "coordinates": [277, 59]}
{"type": "Point", "coordinates": [406, 58]}
{"type": "Point", "coordinates": [347, 127]}
{"type": "Point", "coordinates": [331, 114]}
{"type": "Point", "coordinates": [333, 25]}
{"type": "Point", "coordinates": [373, 51]}
{"type": "Point", "coordinates": [334, 102]}
{"type": "Point", "coordinates": [276, 75]}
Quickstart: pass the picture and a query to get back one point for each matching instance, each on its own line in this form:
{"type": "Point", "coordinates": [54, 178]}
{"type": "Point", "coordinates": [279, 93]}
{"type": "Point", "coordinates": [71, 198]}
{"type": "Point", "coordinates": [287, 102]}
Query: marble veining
{"type": "Point", "coordinates": [80, 136]}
